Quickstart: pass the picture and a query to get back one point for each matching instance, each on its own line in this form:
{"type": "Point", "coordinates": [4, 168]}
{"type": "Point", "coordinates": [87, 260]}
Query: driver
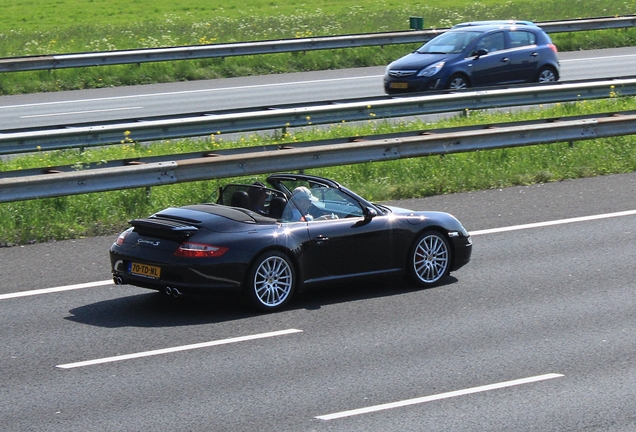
{"type": "Point", "coordinates": [490, 43]}
{"type": "Point", "coordinates": [302, 198]}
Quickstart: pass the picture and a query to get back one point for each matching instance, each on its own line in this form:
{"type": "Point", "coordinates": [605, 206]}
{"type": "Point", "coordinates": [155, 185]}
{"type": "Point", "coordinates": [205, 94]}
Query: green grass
{"type": "Point", "coordinates": [106, 213]}
{"type": "Point", "coordinates": [44, 15]}
{"type": "Point", "coordinates": [40, 27]}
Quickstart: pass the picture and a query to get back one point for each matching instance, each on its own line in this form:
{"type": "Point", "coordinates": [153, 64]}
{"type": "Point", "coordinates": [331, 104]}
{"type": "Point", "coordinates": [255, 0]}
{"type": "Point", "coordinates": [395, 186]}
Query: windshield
{"type": "Point", "coordinates": [310, 201]}
{"type": "Point", "coordinates": [448, 43]}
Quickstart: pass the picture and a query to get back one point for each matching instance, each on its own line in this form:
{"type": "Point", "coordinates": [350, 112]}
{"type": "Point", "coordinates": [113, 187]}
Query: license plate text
{"type": "Point", "coordinates": [145, 270]}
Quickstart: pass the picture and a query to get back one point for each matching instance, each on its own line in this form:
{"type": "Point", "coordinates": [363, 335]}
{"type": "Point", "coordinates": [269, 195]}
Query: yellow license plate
{"type": "Point", "coordinates": [399, 85]}
{"type": "Point", "coordinates": [145, 270]}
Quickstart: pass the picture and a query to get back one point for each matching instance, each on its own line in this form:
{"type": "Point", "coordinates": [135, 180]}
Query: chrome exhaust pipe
{"type": "Point", "coordinates": [174, 292]}
{"type": "Point", "coordinates": [118, 280]}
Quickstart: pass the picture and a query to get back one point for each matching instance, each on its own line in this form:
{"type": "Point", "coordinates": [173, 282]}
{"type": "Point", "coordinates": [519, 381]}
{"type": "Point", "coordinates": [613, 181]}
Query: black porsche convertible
{"type": "Point", "coordinates": [269, 241]}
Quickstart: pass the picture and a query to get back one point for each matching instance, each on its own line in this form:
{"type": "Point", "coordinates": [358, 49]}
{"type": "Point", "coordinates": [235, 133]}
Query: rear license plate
{"type": "Point", "coordinates": [144, 270]}
{"type": "Point", "coordinates": [399, 85]}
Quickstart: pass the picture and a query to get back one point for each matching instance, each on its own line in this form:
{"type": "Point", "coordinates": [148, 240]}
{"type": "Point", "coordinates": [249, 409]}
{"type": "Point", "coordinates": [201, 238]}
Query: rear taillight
{"type": "Point", "coordinates": [553, 48]}
{"type": "Point", "coordinates": [122, 236]}
{"type": "Point", "coordinates": [199, 250]}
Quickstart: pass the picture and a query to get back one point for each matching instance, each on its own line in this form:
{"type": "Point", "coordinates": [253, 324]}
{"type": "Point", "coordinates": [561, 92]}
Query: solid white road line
{"type": "Point", "coordinates": [176, 349]}
{"type": "Point", "coordinates": [595, 58]}
{"type": "Point", "coordinates": [54, 290]}
{"type": "Point", "coordinates": [81, 112]}
{"type": "Point", "coordinates": [437, 397]}
{"type": "Point", "coordinates": [555, 222]}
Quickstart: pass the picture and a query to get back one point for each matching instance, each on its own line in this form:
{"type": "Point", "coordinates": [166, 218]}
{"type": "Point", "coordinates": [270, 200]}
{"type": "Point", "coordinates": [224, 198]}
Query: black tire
{"type": "Point", "coordinates": [457, 82]}
{"type": "Point", "coordinates": [547, 74]}
{"type": "Point", "coordinates": [429, 259]}
{"type": "Point", "coordinates": [270, 281]}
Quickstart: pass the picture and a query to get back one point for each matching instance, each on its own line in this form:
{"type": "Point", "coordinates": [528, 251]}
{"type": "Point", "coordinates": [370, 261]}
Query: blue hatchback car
{"type": "Point", "coordinates": [474, 55]}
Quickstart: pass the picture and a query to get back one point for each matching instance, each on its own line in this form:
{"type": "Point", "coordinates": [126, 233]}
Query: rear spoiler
{"type": "Point", "coordinates": [163, 228]}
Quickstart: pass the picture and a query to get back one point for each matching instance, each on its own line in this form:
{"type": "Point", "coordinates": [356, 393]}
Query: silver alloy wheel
{"type": "Point", "coordinates": [273, 281]}
{"type": "Point", "coordinates": [431, 258]}
{"type": "Point", "coordinates": [457, 82]}
{"type": "Point", "coordinates": [546, 75]}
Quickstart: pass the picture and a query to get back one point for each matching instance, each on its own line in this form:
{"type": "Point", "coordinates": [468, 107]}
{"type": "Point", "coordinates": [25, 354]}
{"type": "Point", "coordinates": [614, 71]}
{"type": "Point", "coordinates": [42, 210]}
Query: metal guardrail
{"type": "Point", "coordinates": [284, 159]}
{"type": "Point", "coordinates": [151, 130]}
{"type": "Point", "coordinates": [233, 151]}
{"type": "Point", "coordinates": [109, 58]}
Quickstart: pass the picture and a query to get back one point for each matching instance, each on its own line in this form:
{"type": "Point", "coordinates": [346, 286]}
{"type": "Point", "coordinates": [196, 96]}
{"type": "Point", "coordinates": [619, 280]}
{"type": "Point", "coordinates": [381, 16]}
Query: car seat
{"type": "Point", "coordinates": [276, 207]}
{"type": "Point", "coordinates": [240, 199]}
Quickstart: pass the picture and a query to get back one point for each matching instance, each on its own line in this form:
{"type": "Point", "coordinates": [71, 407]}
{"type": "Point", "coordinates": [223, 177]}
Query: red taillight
{"type": "Point", "coordinates": [199, 250]}
{"type": "Point", "coordinates": [553, 48]}
{"type": "Point", "coordinates": [120, 239]}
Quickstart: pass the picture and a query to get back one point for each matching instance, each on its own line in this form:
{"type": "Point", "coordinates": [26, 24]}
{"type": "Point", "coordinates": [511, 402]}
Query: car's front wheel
{"type": "Point", "coordinates": [457, 82]}
{"type": "Point", "coordinates": [270, 281]}
{"type": "Point", "coordinates": [430, 258]}
{"type": "Point", "coordinates": [546, 74]}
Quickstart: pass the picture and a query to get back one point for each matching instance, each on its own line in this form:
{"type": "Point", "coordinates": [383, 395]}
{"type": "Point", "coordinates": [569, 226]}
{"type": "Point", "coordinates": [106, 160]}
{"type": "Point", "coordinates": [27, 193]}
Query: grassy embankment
{"type": "Point", "coordinates": [106, 213]}
{"type": "Point", "coordinates": [39, 27]}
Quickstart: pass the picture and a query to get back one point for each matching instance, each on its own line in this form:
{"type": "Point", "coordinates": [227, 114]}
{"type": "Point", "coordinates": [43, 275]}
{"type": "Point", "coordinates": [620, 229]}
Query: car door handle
{"type": "Point", "coordinates": [505, 60]}
{"type": "Point", "coordinates": [534, 54]}
{"type": "Point", "coordinates": [321, 239]}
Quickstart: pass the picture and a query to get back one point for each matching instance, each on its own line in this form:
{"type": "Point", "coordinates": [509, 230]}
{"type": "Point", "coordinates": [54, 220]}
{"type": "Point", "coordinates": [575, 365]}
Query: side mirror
{"type": "Point", "coordinates": [369, 213]}
{"type": "Point", "coordinates": [480, 52]}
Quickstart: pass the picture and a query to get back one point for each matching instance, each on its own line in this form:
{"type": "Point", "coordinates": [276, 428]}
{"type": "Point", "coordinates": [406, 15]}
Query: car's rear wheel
{"type": "Point", "coordinates": [430, 258]}
{"type": "Point", "coordinates": [270, 281]}
{"type": "Point", "coordinates": [546, 74]}
{"type": "Point", "coordinates": [457, 82]}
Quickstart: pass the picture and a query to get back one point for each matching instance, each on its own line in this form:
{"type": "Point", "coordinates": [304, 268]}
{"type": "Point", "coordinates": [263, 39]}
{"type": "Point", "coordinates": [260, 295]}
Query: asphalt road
{"type": "Point", "coordinates": [537, 333]}
{"type": "Point", "coordinates": [51, 109]}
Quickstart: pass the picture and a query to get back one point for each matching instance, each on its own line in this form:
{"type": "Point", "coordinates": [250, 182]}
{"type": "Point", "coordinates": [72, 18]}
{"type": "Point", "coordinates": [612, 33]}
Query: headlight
{"type": "Point", "coordinates": [432, 69]}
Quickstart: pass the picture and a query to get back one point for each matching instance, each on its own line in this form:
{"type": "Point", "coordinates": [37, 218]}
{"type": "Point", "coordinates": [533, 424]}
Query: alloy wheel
{"type": "Point", "coordinates": [273, 281]}
{"type": "Point", "coordinates": [431, 258]}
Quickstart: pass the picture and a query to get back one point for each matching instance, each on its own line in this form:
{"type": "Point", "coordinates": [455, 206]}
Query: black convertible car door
{"type": "Point", "coordinates": [353, 246]}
